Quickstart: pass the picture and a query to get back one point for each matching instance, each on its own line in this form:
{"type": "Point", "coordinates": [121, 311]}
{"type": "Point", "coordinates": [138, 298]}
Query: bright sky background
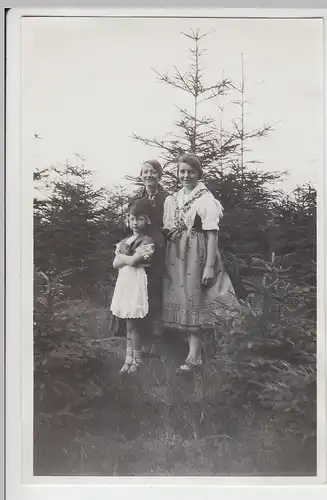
{"type": "Point", "coordinates": [88, 85]}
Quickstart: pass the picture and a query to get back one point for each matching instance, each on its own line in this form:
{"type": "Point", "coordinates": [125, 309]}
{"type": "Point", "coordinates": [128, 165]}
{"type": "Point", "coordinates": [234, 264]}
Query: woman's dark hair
{"type": "Point", "coordinates": [192, 161]}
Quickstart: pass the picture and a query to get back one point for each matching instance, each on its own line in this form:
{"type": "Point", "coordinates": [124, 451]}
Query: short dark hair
{"type": "Point", "coordinates": [192, 161]}
{"type": "Point", "coordinates": [155, 164]}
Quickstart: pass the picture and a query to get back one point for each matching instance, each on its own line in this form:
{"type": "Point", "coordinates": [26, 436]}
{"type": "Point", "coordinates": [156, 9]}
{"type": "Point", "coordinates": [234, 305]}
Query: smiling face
{"type": "Point", "coordinates": [188, 176]}
{"type": "Point", "coordinates": [150, 176]}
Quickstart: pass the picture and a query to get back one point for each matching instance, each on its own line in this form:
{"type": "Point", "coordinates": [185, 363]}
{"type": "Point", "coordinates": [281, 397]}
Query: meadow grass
{"type": "Point", "coordinates": [157, 423]}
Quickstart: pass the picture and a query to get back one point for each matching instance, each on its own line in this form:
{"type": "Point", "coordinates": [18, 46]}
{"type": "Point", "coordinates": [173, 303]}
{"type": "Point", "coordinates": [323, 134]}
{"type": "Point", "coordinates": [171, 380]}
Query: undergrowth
{"type": "Point", "coordinates": [157, 424]}
{"type": "Point", "coordinates": [251, 412]}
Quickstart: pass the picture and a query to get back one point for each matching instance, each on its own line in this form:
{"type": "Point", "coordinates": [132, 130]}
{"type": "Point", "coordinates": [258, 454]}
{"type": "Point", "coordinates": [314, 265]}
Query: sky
{"type": "Point", "coordinates": [88, 84]}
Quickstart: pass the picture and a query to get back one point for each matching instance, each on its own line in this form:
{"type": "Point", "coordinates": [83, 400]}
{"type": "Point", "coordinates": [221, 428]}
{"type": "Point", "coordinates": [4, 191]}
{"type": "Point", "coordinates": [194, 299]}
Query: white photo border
{"type": "Point", "coordinates": [21, 484]}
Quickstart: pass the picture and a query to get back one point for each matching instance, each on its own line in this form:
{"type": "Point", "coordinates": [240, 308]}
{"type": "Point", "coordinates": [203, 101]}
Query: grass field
{"type": "Point", "coordinates": [156, 423]}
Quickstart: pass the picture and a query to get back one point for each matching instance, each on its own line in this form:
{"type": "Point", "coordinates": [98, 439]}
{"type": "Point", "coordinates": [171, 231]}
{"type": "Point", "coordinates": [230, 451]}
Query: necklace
{"type": "Point", "coordinates": [152, 196]}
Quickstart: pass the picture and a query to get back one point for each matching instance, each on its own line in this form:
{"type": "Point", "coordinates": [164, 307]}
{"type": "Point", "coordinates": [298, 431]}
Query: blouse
{"type": "Point", "coordinates": [181, 208]}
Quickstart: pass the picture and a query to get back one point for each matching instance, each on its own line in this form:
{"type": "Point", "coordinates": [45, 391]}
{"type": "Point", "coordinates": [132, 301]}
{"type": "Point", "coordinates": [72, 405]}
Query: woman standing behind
{"type": "Point", "coordinates": [151, 174]}
{"type": "Point", "coordinates": [195, 282]}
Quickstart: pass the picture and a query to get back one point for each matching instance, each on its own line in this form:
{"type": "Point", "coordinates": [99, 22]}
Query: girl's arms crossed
{"type": "Point", "coordinates": [141, 256]}
{"type": "Point", "coordinates": [128, 260]}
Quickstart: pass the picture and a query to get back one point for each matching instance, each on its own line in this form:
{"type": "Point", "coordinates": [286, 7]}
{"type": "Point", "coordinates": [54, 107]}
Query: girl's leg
{"type": "Point", "coordinates": [129, 348]}
{"type": "Point", "coordinates": [137, 347]}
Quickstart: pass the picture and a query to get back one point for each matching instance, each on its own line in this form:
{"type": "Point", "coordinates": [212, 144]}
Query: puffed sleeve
{"type": "Point", "coordinates": [169, 212]}
{"type": "Point", "coordinates": [210, 211]}
{"type": "Point", "coordinates": [147, 249]}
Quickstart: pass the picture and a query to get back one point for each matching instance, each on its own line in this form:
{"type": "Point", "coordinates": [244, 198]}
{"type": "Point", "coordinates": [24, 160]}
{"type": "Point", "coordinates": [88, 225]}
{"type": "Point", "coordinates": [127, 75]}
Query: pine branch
{"type": "Point", "coordinates": [170, 81]}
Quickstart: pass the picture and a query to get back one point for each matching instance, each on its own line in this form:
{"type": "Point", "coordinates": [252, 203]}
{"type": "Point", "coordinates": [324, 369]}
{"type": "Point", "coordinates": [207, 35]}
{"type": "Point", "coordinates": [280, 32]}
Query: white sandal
{"type": "Point", "coordinates": [187, 368]}
{"type": "Point", "coordinates": [125, 368]}
{"type": "Point", "coordinates": [134, 367]}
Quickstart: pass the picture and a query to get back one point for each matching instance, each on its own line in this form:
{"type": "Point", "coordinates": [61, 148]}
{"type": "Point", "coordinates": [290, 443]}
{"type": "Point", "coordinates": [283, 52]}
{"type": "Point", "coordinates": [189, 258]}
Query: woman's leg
{"type": "Point", "coordinates": [129, 348]}
{"type": "Point", "coordinates": [194, 358]}
{"type": "Point", "coordinates": [195, 346]}
{"type": "Point", "coordinates": [157, 328]}
{"type": "Point", "coordinates": [146, 336]}
{"type": "Point", "coordinates": [152, 339]}
{"type": "Point", "coordinates": [153, 323]}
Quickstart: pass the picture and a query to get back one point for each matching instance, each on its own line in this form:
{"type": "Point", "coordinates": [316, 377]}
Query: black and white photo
{"type": "Point", "coordinates": [173, 167]}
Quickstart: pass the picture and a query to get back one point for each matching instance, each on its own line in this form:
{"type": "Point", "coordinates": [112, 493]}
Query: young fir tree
{"type": "Point", "coordinates": [68, 226]}
{"type": "Point", "coordinates": [196, 132]}
{"type": "Point", "coordinates": [297, 239]}
{"type": "Point", "coordinates": [243, 189]}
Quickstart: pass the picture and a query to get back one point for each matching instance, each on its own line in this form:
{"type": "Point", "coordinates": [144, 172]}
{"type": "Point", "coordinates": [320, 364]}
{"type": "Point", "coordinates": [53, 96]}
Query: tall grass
{"type": "Point", "coordinates": [252, 411]}
{"type": "Point", "coordinates": [155, 423]}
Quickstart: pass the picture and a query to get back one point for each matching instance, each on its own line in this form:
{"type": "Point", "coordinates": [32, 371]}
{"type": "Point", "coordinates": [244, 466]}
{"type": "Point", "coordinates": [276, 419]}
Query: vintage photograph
{"type": "Point", "coordinates": [174, 164]}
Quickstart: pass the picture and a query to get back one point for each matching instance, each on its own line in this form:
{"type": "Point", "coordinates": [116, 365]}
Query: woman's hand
{"type": "Point", "coordinates": [208, 275]}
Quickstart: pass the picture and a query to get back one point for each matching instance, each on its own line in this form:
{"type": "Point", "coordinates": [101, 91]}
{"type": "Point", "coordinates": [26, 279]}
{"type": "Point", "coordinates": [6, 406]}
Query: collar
{"type": "Point", "coordinates": [184, 199]}
{"type": "Point", "coordinates": [153, 195]}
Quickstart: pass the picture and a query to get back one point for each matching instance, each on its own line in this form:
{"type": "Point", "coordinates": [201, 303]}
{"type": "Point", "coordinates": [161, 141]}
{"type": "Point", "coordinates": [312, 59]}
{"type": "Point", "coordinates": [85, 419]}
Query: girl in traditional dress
{"type": "Point", "coordinates": [195, 284]}
{"type": "Point", "coordinates": [132, 298]}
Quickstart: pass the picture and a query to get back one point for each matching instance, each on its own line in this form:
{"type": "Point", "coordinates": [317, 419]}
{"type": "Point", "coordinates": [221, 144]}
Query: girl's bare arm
{"type": "Point", "coordinates": [117, 263]}
{"type": "Point", "coordinates": [140, 258]}
{"type": "Point", "coordinates": [128, 260]}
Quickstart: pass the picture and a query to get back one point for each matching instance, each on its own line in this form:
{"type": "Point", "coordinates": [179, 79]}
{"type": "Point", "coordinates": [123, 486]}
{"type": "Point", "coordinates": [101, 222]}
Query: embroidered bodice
{"type": "Point", "coordinates": [182, 209]}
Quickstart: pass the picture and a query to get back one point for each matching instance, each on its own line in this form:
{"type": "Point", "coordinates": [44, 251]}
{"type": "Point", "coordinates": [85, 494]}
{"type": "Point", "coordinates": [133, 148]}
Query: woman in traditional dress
{"type": "Point", "coordinates": [195, 285]}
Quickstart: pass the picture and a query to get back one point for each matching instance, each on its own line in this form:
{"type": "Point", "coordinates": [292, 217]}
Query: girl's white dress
{"type": "Point", "coordinates": [130, 299]}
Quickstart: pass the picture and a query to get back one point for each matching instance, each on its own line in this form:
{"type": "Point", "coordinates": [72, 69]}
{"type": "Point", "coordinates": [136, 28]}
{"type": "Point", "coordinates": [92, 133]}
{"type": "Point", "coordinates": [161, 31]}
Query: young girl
{"type": "Point", "coordinates": [195, 284]}
{"type": "Point", "coordinates": [131, 299]}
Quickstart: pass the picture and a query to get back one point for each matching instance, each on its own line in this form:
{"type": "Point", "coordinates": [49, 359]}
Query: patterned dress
{"type": "Point", "coordinates": [187, 305]}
